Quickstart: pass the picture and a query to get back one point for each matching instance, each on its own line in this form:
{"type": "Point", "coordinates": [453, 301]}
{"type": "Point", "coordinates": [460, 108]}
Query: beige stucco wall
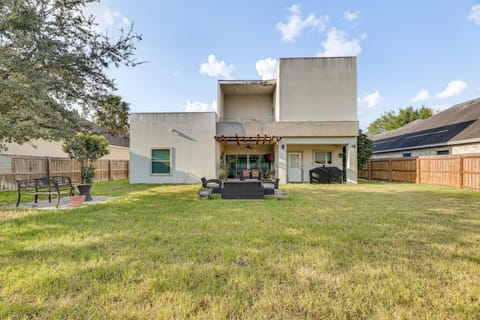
{"type": "Point", "coordinates": [308, 145]}
{"type": "Point", "coordinates": [317, 89]}
{"type": "Point", "coordinates": [307, 157]}
{"type": "Point", "coordinates": [220, 101]}
{"type": "Point", "coordinates": [37, 148]}
{"type": "Point", "coordinates": [118, 153]}
{"type": "Point", "coordinates": [191, 137]}
{"type": "Point", "coordinates": [42, 148]}
{"type": "Point", "coordinates": [414, 153]}
{"type": "Point", "coordinates": [246, 107]}
{"type": "Point", "coordinates": [289, 128]}
{"type": "Point", "coordinates": [466, 149]}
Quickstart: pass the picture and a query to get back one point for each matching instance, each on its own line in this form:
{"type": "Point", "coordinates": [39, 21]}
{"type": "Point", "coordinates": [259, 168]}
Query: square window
{"type": "Point", "coordinates": [442, 152]}
{"type": "Point", "coordinates": [322, 157]}
{"type": "Point", "coordinates": [161, 161]}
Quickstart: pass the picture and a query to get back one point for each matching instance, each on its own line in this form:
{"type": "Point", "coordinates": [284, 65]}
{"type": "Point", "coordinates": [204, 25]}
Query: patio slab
{"type": "Point", "coordinates": [65, 203]}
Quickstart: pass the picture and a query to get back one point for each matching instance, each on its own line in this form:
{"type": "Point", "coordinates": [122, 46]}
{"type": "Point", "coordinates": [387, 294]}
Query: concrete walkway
{"type": "Point", "coordinates": [65, 203]}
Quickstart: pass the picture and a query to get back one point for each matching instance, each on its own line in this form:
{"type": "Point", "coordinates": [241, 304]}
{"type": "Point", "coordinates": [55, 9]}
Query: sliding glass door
{"type": "Point", "coordinates": [236, 163]}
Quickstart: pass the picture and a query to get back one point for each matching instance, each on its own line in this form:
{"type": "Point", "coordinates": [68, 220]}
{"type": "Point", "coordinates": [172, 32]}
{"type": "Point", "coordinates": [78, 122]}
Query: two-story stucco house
{"type": "Point", "coordinates": [304, 118]}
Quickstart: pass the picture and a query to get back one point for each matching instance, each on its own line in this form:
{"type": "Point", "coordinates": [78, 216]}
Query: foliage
{"type": "Point", "coordinates": [86, 148]}
{"type": "Point", "coordinates": [222, 169]}
{"type": "Point", "coordinates": [364, 149]}
{"type": "Point", "coordinates": [53, 60]}
{"type": "Point", "coordinates": [391, 121]}
{"type": "Point", "coordinates": [112, 115]}
{"type": "Point", "coordinates": [367, 251]}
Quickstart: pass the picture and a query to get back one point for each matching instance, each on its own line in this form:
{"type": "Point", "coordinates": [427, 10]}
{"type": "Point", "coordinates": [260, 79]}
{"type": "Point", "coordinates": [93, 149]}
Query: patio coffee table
{"type": "Point", "coordinates": [242, 190]}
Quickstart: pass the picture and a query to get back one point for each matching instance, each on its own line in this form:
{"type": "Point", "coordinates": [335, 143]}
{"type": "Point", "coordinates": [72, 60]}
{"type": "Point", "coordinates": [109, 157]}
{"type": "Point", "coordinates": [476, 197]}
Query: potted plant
{"type": "Point", "coordinates": [86, 147]}
{"type": "Point", "coordinates": [222, 170]}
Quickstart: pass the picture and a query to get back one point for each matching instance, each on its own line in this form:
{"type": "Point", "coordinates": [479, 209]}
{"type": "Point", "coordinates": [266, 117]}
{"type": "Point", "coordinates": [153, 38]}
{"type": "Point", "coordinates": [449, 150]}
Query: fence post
{"type": "Point", "coordinates": [417, 178]}
{"type": "Point", "coordinates": [49, 163]}
{"type": "Point", "coordinates": [460, 171]}
{"type": "Point", "coordinates": [390, 170]}
{"type": "Point", "coordinates": [109, 170]}
{"type": "Point", "coordinates": [369, 169]}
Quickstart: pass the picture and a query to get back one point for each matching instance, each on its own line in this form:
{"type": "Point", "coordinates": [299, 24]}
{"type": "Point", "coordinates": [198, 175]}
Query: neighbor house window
{"type": "Point", "coordinates": [442, 152]}
{"type": "Point", "coordinates": [322, 157]}
{"type": "Point", "coordinates": [161, 161]}
{"type": "Point", "coordinates": [407, 155]}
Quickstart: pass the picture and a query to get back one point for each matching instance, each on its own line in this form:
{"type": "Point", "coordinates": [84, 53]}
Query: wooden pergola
{"type": "Point", "coordinates": [265, 139]}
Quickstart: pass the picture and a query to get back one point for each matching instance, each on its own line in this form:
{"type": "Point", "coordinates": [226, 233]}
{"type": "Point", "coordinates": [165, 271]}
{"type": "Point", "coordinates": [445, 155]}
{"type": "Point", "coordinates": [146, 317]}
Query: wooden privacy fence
{"type": "Point", "coordinates": [14, 168]}
{"type": "Point", "coordinates": [462, 171]}
{"type": "Point", "coordinates": [392, 170]}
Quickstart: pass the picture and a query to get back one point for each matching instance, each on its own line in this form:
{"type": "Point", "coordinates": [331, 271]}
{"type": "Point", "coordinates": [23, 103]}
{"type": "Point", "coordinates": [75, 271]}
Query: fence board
{"type": "Point", "coordinates": [461, 171]}
{"type": "Point", "coordinates": [399, 170]}
{"type": "Point", "coordinates": [24, 167]}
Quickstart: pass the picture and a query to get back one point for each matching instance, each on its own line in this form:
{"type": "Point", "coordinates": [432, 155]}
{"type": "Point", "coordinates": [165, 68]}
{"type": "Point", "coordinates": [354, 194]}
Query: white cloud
{"type": "Point", "coordinates": [351, 15]}
{"type": "Point", "coordinates": [474, 14]}
{"type": "Point", "coordinates": [267, 68]}
{"type": "Point", "coordinates": [439, 107]}
{"type": "Point", "coordinates": [125, 21]}
{"type": "Point", "coordinates": [296, 24]}
{"type": "Point", "coordinates": [422, 95]}
{"type": "Point", "coordinates": [106, 17]}
{"type": "Point", "coordinates": [215, 68]}
{"type": "Point", "coordinates": [338, 45]}
{"type": "Point", "coordinates": [197, 106]}
{"type": "Point", "coordinates": [453, 88]}
{"type": "Point", "coordinates": [369, 100]}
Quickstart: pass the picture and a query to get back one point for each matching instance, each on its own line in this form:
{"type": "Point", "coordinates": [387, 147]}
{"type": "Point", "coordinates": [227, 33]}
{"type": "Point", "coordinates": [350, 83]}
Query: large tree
{"type": "Point", "coordinates": [112, 115]}
{"type": "Point", "coordinates": [391, 121]}
{"type": "Point", "coordinates": [53, 60]}
{"type": "Point", "coordinates": [364, 149]}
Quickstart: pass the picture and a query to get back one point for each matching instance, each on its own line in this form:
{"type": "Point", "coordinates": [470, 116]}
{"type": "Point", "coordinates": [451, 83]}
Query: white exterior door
{"type": "Point", "coordinates": [294, 167]}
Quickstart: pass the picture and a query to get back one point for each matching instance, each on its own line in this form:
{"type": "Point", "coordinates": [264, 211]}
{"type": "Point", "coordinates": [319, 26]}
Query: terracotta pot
{"type": "Point", "coordinates": [268, 157]}
{"type": "Point", "coordinates": [84, 189]}
{"type": "Point", "coordinates": [78, 201]}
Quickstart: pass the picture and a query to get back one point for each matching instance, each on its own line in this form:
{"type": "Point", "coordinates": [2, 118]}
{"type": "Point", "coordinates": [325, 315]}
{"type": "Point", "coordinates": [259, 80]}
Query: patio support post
{"type": "Point", "coordinates": [352, 162]}
{"type": "Point", "coordinates": [282, 162]}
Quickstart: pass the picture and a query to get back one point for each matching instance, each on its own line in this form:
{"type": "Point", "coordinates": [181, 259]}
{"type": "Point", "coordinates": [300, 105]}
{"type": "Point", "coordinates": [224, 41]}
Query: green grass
{"type": "Point", "coordinates": [381, 251]}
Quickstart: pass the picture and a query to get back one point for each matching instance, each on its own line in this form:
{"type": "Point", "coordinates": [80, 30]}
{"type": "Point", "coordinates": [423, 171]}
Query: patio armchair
{"type": "Point", "coordinates": [214, 184]}
{"type": "Point", "coordinates": [255, 174]}
{"type": "Point", "coordinates": [245, 174]}
{"type": "Point", "coordinates": [269, 186]}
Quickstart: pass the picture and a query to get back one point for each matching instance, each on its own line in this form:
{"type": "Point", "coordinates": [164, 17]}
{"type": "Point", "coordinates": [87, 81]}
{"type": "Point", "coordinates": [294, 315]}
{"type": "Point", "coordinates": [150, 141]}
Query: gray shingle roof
{"type": "Point", "coordinates": [456, 123]}
{"type": "Point", "coordinates": [112, 140]}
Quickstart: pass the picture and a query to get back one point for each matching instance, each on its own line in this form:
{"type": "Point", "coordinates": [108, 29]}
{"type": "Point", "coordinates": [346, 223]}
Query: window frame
{"type": "Point", "coordinates": [443, 152]}
{"type": "Point", "coordinates": [170, 162]}
{"type": "Point", "coordinates": [326, 160]}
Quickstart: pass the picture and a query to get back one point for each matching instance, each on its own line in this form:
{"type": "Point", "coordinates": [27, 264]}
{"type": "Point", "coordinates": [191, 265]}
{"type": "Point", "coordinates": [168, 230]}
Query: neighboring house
{"type": "Point", "coordinates": [456, 130]}
{"type": "Point", "coordinates": [119, 148]}
{"type": "Point", "coordinates": [304, 118]}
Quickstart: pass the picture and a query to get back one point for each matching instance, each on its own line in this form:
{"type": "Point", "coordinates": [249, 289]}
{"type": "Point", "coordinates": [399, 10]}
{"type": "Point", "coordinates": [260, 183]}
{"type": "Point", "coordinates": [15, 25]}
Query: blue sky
{"type": "Point", "coordinates": [409, 52]}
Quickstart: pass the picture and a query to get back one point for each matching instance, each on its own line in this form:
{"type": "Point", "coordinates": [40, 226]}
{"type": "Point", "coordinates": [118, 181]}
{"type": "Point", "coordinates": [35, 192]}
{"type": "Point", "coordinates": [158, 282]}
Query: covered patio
{"type": "Point", "coordinates": [254, 154]}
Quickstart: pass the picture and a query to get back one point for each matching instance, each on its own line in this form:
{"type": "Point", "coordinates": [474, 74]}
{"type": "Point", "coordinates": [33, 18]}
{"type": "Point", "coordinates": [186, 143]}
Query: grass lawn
{"type": "Point", "coordinates": [382, 251]}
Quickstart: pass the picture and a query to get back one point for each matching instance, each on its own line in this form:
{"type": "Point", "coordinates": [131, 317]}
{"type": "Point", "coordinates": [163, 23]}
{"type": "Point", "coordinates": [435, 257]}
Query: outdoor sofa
{"type": "Point", "coordinates": [241, 189]}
